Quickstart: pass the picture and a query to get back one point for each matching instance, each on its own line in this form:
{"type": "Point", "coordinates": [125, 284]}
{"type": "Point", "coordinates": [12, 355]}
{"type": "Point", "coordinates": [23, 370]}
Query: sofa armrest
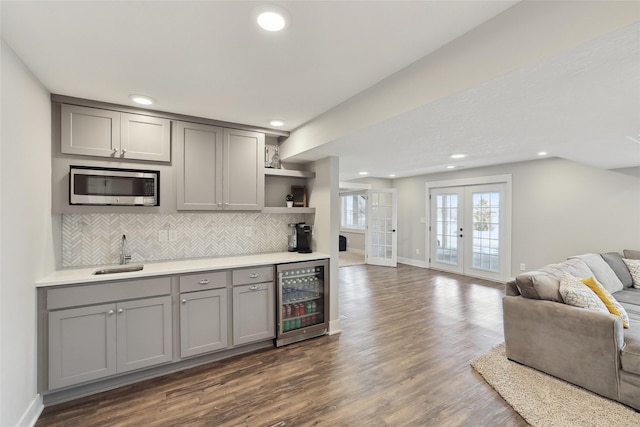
{"type": "Point", "coordinates": [577, 345]}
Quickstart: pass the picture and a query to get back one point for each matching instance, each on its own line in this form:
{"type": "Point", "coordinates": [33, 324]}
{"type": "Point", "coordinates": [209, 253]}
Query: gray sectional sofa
{"type": "Point", "coordinates": [588, 348]}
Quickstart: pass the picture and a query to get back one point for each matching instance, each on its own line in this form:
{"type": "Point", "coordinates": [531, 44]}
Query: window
{"type": "Point", "coordinates": [353, 208]}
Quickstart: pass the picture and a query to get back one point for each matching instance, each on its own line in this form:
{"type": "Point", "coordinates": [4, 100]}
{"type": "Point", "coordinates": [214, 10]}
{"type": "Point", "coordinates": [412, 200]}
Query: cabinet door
{"type": "Point", "coordinates": [253, 313]}
{"type": "Point", "coordinates": [90, 131]}
{"type": "Point", "coordinates": [82, 344]}
{"type": "Point", "coordinates": [199, 167]}
{"type": "Point", "coordinates": [203, 322]}
{"type": "Point", "coordinates": [243, 165]}
{"type": "Point", "coordinates": [144, 333]}
{"type": "Point", "coordinates": [145, 138]}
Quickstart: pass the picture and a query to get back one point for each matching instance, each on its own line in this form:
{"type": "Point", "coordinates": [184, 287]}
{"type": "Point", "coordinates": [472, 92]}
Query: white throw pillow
{"type": "Point", "coordinates": [577, 294]}
{"type": "Point", "coordinates": [634, 268]}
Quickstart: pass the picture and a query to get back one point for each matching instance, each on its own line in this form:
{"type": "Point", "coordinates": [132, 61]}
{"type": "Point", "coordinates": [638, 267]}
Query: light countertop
{"type": "Point", "coordinates": [85, 274]}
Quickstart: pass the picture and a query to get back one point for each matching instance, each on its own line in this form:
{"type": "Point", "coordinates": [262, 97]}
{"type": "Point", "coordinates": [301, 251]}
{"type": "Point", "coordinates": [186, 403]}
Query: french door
{"type": "Point", "coordinates": [469, 230]}
{"type": "Point", "coordinates": [381, 239]}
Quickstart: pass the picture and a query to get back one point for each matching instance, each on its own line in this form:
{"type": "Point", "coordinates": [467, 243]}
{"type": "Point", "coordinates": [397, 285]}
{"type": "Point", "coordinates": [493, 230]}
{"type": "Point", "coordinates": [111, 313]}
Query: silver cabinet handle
{"type": "Point", "coordinates": [203, 282]}
{"type": "Point", "coordinates": [124, 151]}
{"type": "Point", "coordinates": [110, 312]}
{"type": "Point", "coordinates": [254, 275]}
{"type": "Point", "coordinates": [219, 203]}
{"type": "Point", "coordinates": [120, 310]}
{"type": "Point", "coordinates": [184, 301]}
{"type": "Point", "coordinates": [254, 288]}
{"type": "Point", "coordinates": [114, 150]}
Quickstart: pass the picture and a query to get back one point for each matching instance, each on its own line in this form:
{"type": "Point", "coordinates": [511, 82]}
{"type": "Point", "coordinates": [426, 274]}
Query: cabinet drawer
{"type": "Point", "coordinates": [107, 292]}
{"type": "Point", "coordinates": [252, 275]}
{"type": "Point", "coordinates": [202, 281]}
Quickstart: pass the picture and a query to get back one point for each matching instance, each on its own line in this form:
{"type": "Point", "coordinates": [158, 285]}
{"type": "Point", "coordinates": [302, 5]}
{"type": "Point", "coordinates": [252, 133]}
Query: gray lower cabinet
{"type": "Point", "coordinates": [218, 168]}
{"type": "Point", "coordinates": [82, 345]}
{"type": "Point", "coordinates": [253, 312]}
{"type": "Point", "coordinates": [106, 133]}
{"type": "Point", "coordinates": [97, 341]}
{"type": "Point", "coordinates": [203, 322]}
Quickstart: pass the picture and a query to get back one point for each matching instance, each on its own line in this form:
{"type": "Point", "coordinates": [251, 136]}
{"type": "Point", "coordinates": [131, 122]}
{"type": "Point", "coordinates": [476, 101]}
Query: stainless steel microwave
{"type": "Point", "coordinates": [113, 187]}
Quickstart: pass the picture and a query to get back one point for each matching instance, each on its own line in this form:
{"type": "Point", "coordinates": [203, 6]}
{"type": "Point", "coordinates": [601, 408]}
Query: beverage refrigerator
{"type": "Point", "coordinates": [303, 301]}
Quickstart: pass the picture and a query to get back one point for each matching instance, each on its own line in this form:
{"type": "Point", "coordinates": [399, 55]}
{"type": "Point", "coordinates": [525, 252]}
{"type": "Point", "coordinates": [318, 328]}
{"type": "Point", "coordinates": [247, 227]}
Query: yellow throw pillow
{"type": "Point", "coordinates": [613, 306]}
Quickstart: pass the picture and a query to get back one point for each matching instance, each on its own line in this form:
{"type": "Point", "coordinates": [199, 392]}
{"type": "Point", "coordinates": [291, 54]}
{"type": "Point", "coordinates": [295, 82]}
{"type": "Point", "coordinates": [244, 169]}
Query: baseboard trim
{"type": "Point", "coordinates": [413, 262]}
{"type": "Point", "coordinates": [334, 327]}
{"type": "Point", "coordinates": [32, 413]}
{"type": "Point", "coordinates": [356, 251]}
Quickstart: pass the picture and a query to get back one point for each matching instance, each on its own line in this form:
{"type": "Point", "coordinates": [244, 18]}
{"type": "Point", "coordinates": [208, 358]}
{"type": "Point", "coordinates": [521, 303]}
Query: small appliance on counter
{"type": "Point", "coordinates": [303, 238]}
{"type": "Point", "coordinates": [292, 241]}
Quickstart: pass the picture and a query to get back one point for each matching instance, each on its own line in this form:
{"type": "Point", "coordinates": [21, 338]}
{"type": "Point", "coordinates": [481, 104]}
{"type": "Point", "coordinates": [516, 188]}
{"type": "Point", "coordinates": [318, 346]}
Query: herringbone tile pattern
{"type": "Point", "coordinates": [94, 239]}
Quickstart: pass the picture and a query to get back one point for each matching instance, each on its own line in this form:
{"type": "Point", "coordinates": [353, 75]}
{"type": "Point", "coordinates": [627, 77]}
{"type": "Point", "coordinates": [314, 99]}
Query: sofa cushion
{"type": "Point", "coordinates": [631, 254]}
{"type": "Point", "coordinates": [634, 269]}
{"type": "Point", "coordinates": [539, 285]}
{"type": "Point", "coordinates": [577, 294]}
{"type": "Point", "coordinates": [609, 301]}
{"type": "Point", "coordinates": [618, 266]}
{"type": "Point", "coordinates": [575, 267]}
{"type": "Point", "coordinates": [630, 299]}
{"type": "Point", "coordinates": [602, 272]}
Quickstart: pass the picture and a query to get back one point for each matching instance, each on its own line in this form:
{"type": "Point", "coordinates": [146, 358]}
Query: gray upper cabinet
{"type": "Point", "coordinates": [145, 138]}
{"type": "Point", "coordinates": [198, 176]}
{"type": "Point", "coordinates": [105, 133]}
{"type": "Point", "coordinates": [243, 177]}
{"type": "Point", "coordinates": [218, 168]}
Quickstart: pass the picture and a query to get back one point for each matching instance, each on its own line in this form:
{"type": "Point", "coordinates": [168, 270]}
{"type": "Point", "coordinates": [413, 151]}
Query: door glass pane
{"type": "Point", "coordinates": [486, 231]}
{"type": "Point", "coordinates": [447, 228]}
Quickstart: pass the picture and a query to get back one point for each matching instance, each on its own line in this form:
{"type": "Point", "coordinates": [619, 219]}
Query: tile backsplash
{"type": "Point", "coordinates": [94, 239]}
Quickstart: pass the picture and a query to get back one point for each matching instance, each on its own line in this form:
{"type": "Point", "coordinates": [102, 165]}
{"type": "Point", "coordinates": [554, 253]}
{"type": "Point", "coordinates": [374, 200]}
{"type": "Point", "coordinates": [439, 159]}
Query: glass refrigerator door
{"type": "Point", "coordinates": [302, 296]}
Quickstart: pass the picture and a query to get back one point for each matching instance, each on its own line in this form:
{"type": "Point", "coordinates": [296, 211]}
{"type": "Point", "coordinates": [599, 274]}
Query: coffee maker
{"type": "Point", "coordinates": [303, 238]}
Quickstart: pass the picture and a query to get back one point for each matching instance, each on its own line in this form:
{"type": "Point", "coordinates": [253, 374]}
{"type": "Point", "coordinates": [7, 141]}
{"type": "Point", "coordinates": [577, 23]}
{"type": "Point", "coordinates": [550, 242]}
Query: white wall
{"type": "Point", "coordinates": [26, 229]}
{"type": "Point", "coordinates": [560, 208]}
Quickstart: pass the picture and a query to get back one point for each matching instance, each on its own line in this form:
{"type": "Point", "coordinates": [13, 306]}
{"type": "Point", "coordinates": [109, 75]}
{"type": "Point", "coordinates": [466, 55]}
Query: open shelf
{"type": "Point", "coordinates": [289, 172]}
{"type": "Point", "coordinates": [285, 210]}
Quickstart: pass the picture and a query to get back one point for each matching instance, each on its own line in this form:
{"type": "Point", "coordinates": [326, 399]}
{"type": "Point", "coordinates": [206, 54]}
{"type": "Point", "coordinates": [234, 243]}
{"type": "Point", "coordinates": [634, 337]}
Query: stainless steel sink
{"type": "Point", "coordinates": [120, 269]}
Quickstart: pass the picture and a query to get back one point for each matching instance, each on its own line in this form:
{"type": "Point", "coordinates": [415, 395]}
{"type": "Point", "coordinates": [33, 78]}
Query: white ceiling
{"type": "Point", "coordinates": [208, 59]}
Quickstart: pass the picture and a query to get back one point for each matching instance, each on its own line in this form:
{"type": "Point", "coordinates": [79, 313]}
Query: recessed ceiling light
{"type": "Point", "coordinates": [542, 153]}
{"type": "Point", "coordinates": [276, 122]}
{"type": "Point", "coordinates": [451, 167]}
{"type": "Point", "coordinates": [142, 99]}
{"type": "Point", "coordinates": [271, 18]}
{"type": "Point", "coordinates": [392, 175]}
{"type": "Point", "coordinates": [458, 156]}
{"type": "Point", "coordinates": [363, 173]}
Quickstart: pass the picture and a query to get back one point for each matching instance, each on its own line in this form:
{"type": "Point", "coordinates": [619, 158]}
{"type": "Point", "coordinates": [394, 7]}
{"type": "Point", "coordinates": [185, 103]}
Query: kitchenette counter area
{"type": "Point", "coordinates": [72, 276]}
{"type": "Point", "coordinates": [109, 325]}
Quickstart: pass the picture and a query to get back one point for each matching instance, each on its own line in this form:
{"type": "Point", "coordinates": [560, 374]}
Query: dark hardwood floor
{"type": "Point", "coordinates": [402, 359]}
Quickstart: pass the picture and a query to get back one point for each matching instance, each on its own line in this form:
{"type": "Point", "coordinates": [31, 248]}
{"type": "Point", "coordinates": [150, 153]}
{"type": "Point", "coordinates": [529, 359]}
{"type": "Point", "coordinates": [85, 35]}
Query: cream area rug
{"type": "Point", "coordinates": [543, 400]}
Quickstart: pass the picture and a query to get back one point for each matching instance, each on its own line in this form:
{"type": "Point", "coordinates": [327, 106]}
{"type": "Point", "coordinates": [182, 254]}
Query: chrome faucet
{"type": "Point", "coordinates": [125, 256]}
